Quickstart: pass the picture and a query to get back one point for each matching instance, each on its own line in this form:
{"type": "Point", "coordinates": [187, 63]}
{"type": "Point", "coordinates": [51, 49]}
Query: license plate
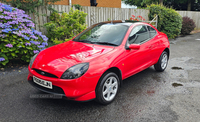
{"type": "Point", "coordinates": [43, 83]}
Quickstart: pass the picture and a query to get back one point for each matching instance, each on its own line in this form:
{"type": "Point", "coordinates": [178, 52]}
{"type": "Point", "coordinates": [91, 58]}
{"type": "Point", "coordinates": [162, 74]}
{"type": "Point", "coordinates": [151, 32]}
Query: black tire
{"type": "Point", "coordinates": [160, 66]}
{"type": "Point", "coordinates": [112, 89]}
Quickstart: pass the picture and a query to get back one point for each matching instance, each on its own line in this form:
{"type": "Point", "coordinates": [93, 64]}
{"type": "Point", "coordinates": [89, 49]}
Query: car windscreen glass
{"type": "Point", "coordinates": [105, 34]}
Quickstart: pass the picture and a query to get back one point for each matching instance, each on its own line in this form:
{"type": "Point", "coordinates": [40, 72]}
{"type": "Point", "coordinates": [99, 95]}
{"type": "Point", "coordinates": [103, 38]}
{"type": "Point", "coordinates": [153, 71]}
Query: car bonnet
{"type": "Point", "coordinates": [57, 59]}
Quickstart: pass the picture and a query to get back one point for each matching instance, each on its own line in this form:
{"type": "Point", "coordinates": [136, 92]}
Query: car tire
{"type": "Point", "coordinates": [107, 88]}
{"type": "Point", "coordinates": [161, 65]}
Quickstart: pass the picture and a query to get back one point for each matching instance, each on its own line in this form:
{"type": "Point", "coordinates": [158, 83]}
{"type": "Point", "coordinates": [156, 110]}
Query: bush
{"type": "Point", "coordinates": [169, 21]}
{"type": "Point", "coordinates": [63, 27]}
{"type": "Point", "coordinates": [188, 25]}
{"type": "Point", "coordinates": [18, 39]}
{"type": "Point", "coordinates": [30, 5]}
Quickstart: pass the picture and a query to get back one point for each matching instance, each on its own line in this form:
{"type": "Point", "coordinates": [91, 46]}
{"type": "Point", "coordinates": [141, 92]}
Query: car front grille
{"type": "Point", "coordinates": [45, 73]}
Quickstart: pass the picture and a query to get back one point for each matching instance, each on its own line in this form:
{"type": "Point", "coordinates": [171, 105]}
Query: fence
{"type": "Point", "coordinates": [193, 15]}
{"type": "Point", "coordinates": [100, 14]}
{"type": "Point", "coordinates": [95, 14]}
{"type": "Point", "coordinates": [154, 22]}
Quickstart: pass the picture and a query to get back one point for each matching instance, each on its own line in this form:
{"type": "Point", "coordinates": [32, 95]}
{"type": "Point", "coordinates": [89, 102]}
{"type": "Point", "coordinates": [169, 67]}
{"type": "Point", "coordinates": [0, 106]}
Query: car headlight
{"type": "Point", "coordinates": [75, 71]}
{"type": "Point", "coordinates": [32, 60]}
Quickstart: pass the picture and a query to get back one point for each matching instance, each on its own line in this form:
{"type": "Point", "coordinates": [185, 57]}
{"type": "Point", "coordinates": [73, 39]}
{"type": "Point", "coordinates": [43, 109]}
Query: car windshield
{"type": "Point", "coordinates": [105, 34]}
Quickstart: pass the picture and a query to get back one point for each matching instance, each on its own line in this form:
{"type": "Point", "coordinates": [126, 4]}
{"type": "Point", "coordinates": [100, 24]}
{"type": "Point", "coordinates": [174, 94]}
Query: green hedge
{"type": "Point", "coordinates": [169, 21]}
{"type": "Point", "coordinates": [64, 27]}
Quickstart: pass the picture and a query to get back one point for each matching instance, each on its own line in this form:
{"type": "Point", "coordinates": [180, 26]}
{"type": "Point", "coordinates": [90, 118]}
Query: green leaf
{"type": "Point", "coordinates": [65, 25]}
{"type": "Point", "coordinates": [25, 51]}
{"type": "Point", "coordinates": [13, 54]}
{"type": "Point", "coordinates": [17, 51]}
{"type": "Point", "coordinates": [14, 36]}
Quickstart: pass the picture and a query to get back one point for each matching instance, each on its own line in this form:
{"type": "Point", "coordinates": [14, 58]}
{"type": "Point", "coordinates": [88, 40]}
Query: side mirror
{"type": "Point", "coordinates": [134, 46]}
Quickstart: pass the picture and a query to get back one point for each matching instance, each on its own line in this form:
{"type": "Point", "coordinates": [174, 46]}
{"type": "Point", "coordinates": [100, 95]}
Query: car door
{"type": "Point", "coordinates": [155, 41]}
{"type": "Point", "coordinates": [137, 60]}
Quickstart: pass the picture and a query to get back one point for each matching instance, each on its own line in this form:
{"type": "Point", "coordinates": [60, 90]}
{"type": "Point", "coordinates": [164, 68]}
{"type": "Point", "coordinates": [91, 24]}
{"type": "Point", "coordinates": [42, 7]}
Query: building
{"type": "Point", "coordinates": [101, 3]}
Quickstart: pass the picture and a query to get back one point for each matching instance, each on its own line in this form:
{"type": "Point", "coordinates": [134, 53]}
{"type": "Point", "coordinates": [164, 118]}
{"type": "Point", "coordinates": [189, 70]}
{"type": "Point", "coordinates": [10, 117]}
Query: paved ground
{"type": "Point", "coordinates": [149, 96]}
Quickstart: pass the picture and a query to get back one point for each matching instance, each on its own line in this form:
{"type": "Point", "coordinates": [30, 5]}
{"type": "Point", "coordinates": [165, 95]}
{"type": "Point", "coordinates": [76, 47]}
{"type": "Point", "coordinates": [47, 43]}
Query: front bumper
{"type": "Point", "coordinates": [80, 89]}
{"type": "Point", "coordinates": [54, 90]}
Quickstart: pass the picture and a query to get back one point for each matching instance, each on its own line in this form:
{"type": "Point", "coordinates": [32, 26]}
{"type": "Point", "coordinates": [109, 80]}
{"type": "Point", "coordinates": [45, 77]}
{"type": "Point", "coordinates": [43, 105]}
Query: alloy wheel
{"type": "Point", "coordinates": [110, 88]}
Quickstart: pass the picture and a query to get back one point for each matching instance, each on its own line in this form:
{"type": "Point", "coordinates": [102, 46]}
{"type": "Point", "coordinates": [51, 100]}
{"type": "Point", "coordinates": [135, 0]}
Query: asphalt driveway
{"type": "Point", "coordinates": [149, 96]}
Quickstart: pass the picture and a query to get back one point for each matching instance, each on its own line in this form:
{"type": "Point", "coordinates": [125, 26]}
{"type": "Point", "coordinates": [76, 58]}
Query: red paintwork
{"type": "Point", "coordinates": [134, 46]}
{"type": "Point", "coordinates": [57, 59]}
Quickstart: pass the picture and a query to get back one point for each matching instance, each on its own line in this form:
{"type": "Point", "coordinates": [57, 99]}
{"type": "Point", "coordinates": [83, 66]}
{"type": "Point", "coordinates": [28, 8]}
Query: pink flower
{"type": "Point", "coordinates": [9, 45]}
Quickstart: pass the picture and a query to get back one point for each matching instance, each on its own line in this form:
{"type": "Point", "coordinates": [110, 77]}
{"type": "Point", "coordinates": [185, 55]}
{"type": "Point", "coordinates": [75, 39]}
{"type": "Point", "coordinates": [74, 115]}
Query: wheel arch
{"type": "Point", "coordinates": [115, 70]}
{"type": "Point", "coordinates": [168, 52]}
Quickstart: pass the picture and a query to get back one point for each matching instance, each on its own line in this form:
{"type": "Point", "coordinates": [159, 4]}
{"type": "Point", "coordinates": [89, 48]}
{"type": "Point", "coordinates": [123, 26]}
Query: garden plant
{"type": "Point", "coordinates": [169, 21]}
{"type": "Point", "coordinates": [64, 27]}
{"type": "Point", "coordinates": [19, 41]}
{"type": "Point", "coordinates": [138, 18]}
{"type": "Point", "coordinates": [188, 25]}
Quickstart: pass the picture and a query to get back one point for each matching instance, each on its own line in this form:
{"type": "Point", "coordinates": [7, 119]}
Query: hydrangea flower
{"type": "Point", "coordinates": [9, 45]}
{"type": "Point", "coordinates": [15, 29]}
{"type": "Point", "coordinates": [28, 44]}
{"type": "Point", "coordinates": [34, 37]}
{"type": "Point", "coordinates": [2, 59]}
{"type": "Point", "coordinates": [27, 38]}
{"type": "Point", "coordinates": [41, 46]}
{"type": "Point", "coordinates": [17, 26]}
{"type": "Point", "coordinates": [35, 42]}
{"type": "Point", "coordinates": [7, 30]}
{"type": "Point", "coordinates": [2, 35]}
{"type": "Point", "coordinates": [45, 43]}
{"type": "Point", "coordinates": [19, 22]}
{"type": "Point", "coordinates": [7, 8]}
{"type": "Point", "coordinates": [35, 51]}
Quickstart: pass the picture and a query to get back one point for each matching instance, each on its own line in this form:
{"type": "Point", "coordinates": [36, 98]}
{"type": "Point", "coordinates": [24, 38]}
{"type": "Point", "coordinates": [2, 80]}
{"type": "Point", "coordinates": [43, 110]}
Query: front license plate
{"type": "Point", "coordinates": [43, 83]}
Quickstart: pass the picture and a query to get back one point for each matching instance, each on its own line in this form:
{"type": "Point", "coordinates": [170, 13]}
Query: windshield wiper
{"type": "Point", "coordinates": [85, 41]}
{"type": "Point", "coordinates": [106, 43]}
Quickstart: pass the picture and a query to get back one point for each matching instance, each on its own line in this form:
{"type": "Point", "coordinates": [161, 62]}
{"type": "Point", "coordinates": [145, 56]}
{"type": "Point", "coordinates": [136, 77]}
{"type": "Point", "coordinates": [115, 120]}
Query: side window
{"type": "Point", "coordinates": [152, 31]}
{"type": "Point", "coordinates": [138, 35]}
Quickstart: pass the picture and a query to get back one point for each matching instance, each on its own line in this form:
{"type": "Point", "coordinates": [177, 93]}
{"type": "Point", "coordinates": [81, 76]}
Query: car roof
{"type": "Point", "coordinates": [126, 22]}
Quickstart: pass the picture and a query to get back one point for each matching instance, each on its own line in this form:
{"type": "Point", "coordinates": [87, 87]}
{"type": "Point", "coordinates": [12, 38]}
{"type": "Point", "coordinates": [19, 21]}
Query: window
{"type": "Point", "coordinates": [138, 35]}
{"type": "Point", "coordinates": [152, 31]}
{"type": "Point", "coordinates": [104, 33]}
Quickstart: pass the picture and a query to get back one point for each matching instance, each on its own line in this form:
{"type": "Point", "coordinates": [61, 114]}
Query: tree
{"type": "Point", "coordinates": [142, 3]}
{"type": "Point", "coordinates": [29, 5]}
{"type": "Point", "coordinates": [176, 4]}
{"type": "Point", "coordinates": [161, 2]}
{"type": "Point", "coordinates": [182, 4]}
{"type": "Point", "coordinates": [189, 5]}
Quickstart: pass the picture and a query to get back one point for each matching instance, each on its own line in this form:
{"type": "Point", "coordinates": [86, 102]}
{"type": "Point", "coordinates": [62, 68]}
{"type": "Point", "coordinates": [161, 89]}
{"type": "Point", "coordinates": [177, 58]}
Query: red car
{"type": "Point", "coordinates": [94, 64]}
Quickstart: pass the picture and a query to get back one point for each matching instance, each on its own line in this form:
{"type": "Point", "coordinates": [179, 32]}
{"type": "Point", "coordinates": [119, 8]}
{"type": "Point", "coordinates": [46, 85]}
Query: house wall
{"type": "Point", "coordinates": [101, 3]}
